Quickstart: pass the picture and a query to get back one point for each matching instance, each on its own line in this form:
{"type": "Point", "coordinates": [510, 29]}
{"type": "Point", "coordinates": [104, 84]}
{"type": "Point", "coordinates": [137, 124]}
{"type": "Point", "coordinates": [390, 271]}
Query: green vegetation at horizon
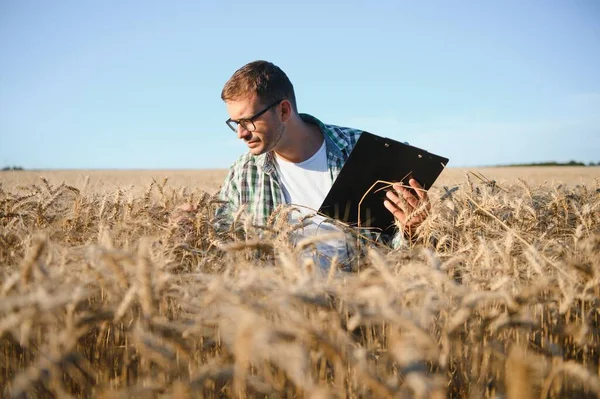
{"type": "Point", "coordinates": [550, 163]}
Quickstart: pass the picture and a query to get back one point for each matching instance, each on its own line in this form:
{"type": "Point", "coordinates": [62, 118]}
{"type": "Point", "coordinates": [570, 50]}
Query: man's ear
{"type": "Point", "coordinates": [286, 110]}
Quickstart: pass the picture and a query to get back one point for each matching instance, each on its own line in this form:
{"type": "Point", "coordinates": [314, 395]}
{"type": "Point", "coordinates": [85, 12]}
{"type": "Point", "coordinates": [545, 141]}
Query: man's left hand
{"type": "Point", "coordinates": [402, 203]}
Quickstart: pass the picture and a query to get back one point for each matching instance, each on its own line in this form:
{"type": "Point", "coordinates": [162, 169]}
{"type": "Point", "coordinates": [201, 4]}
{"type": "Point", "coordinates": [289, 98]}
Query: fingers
{"type": "Point", "coordinates": [412, 199]}
{"type": "Point", "coordinates": [183, 214]}
{"type": "Point", "coordinates": [407, 194]}
{"type": "Point", "coordinates": [418, 188]}
{"type": "Point", "coordinates": [421, 192]}
{"type": "Point", "coordinates": [402, 202]}
{"type": "Point", "coordinates": [402, 216]}
{"type": "Point", "coordinates": [187, 207]}
{"type": "Point", "coordinates": [398, 214]}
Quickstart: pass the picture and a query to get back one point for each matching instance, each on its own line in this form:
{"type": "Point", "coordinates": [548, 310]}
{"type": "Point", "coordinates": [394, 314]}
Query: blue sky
{"type": "Point", "coordinates": [136, 84]}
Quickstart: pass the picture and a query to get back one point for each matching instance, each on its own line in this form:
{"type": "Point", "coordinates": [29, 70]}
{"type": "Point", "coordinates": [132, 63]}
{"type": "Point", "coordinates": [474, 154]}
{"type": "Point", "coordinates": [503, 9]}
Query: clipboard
{"type": "Point", "coordinates": [376, 158]}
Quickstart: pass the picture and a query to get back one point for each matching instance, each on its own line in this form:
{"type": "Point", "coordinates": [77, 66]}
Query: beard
{"type": "Point", "coordinates": [270, 140]}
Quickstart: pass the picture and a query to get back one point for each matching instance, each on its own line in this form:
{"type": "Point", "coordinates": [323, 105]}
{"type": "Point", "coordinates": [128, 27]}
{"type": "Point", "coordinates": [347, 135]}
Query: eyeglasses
{"type": "Point", "coordinates": [248, 123]}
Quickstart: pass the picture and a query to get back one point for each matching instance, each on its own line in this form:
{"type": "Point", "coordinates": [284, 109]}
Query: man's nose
{"type": "Point", "coordinates": [242, 132]}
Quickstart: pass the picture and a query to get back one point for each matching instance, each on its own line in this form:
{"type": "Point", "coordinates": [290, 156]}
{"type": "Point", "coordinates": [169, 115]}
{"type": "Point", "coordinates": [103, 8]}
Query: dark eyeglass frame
{"type": "Point", "coordinates": [248, 123]}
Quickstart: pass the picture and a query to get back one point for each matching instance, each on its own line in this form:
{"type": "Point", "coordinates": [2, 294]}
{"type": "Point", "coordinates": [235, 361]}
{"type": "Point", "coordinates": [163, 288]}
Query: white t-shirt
{"type": "Point", "coordinates": [306, 184]}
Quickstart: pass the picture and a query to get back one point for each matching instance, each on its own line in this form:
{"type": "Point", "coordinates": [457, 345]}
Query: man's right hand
{"type": "Point", "coordinates": [183, 215]}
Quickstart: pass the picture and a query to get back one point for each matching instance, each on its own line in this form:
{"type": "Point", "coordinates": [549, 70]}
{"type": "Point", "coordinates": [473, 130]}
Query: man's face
{"type": "Point", "coordinates": [268, 127]}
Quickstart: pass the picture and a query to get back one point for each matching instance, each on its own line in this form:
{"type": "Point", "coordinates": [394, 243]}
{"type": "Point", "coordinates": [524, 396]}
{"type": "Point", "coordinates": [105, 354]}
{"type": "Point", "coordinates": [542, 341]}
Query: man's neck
{"type": "Point", "coordinates": [303, 140]}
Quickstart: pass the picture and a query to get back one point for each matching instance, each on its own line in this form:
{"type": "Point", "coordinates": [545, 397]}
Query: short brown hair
{"type": "Point", "coordinates": [262, 78]}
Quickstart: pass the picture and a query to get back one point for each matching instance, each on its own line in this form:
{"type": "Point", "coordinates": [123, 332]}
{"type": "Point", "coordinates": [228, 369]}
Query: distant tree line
{"type": "Point", "coordinates": [12, 168]}
{"type": "Point", "coordinates": [570, 163]}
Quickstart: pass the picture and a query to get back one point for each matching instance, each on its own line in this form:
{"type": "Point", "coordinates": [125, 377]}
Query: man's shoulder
{"type": "Point", "coordinates": [346, 132]}
{"type": "Point", "coordinates": [343, 136]}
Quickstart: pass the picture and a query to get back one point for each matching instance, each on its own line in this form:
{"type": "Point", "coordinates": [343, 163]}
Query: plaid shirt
{"type": "Point", "coordinates": [252, 181]}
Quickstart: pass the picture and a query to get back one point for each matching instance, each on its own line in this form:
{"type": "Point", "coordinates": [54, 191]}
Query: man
{"type": "Point", "coordinates": [292, 158]}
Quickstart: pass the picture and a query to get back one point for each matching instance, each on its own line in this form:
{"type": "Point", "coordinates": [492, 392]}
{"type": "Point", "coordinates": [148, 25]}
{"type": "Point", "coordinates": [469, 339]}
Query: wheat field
{"type": "Point", "coordinates": [109, 289]}
{"type": "Point", "coordinates": [136, 181]}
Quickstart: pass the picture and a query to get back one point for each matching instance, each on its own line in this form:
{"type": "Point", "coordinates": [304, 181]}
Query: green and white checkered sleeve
{"type": "Point", "coordinates": [230, 196]}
